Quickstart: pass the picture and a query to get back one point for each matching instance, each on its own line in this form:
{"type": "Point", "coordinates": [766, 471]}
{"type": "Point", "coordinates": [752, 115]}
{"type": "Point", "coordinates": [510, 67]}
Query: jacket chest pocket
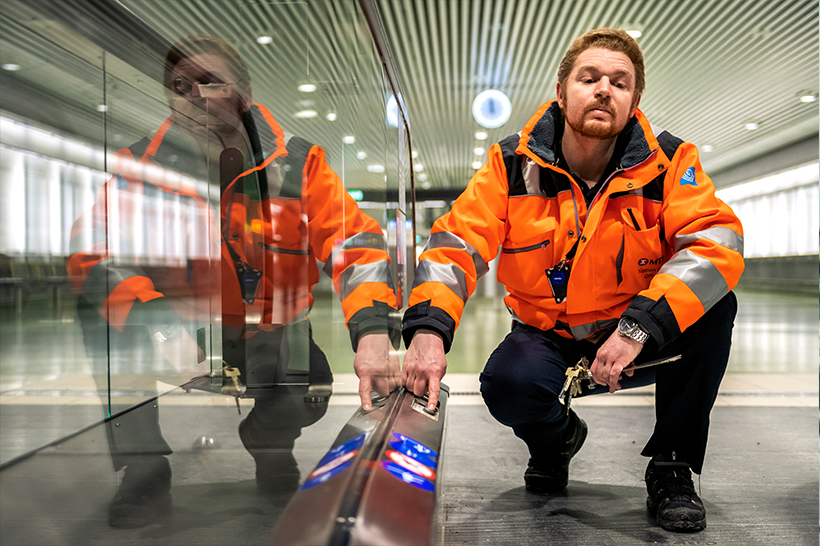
{"type": "Point", "coordinates": [523, 262]}
{"type": "Point", "coordinates": [639, 259]}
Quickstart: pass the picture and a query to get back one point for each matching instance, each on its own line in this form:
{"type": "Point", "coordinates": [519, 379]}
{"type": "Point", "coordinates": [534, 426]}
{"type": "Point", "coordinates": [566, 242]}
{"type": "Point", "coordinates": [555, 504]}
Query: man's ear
{"type": "Point", "coordinates": [635, 106]}
{"type": "Point", "coordinates": [559, 98]}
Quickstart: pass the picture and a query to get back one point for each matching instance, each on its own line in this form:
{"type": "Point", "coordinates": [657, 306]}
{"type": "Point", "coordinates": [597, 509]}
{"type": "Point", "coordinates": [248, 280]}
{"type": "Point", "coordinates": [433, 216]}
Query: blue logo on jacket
{"type": "Point", "coordinates": [688, 177]}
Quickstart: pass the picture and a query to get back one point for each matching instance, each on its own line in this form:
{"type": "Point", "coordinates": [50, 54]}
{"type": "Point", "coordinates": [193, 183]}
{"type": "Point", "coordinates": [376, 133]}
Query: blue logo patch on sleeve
{"type": "Point", "coordinates": [688, 177]}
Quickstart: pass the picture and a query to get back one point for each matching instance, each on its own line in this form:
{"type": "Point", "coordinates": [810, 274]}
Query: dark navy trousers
{"type": "Point", "coordinates": [524, 375]}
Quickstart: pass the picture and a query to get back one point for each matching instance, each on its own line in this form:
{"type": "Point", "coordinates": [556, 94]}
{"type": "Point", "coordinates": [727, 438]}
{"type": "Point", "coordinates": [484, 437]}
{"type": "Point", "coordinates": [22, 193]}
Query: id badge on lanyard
{"type": "Point", "coordinates": [558, 277]}
{"type": "Point", "coordinates": [249, 281]}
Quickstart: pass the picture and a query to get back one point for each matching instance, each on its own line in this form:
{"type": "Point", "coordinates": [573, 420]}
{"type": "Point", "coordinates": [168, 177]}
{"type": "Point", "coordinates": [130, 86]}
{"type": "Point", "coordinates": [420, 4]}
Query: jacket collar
{"type": "Point", "coordinates": [544, 130]}
{"type": "Point", "coordinates": [271, 136]}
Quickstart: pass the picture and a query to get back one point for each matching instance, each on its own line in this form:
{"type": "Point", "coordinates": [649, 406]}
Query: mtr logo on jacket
{"type": "Point", "coordinates": [654, 244]}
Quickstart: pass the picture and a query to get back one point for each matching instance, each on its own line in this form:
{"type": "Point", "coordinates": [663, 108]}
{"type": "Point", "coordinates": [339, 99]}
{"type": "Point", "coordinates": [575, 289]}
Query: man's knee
{"type": "Point", "coordinates": [515, 398]}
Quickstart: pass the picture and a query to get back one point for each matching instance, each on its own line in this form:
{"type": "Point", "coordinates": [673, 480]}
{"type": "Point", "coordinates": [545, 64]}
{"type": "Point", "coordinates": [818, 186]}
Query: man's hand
{"type": "Point", "coordinates": [424, 366]}
{"type": "Point", "coordinates": [181, 351]}
{"type": "Point", "coordinates": [376, 366]}
{"type": "Point", "coordinates": [614, 355]}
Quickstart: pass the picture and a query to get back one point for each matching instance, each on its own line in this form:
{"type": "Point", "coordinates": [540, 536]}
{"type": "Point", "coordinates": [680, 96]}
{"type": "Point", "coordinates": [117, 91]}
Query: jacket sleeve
{"type": "Point", "coordinates": [110, 285]}
{"type": "Point", "coordinates": [705, 239]}
{"type": "Point", "coordinates": [354, 250]}
{"type": "Point", "coordinates": [461, 245]}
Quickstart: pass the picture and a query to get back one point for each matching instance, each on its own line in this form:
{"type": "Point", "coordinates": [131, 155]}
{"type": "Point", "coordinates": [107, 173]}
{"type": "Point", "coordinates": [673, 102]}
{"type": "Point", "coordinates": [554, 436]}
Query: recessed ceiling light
{"type": "Point", "coordinates": [751, 126]}
{"type": "Point", "coordinates": [422, 177]}
{"type": "Point", "coordinates": [361, 155]}
{"type": "Point", "coordinates": [808, 98]}
{"type": "Point", "coordinates": [349, 139]}
{"type": "Point", "coordinates": [102, 108]}
{"type": "Point", "coordinates": [635, 33]}
{"type": "Point", "coordinates": [415, 154]}
{"type": "Point", "coordinates": [425, 186]}
{"type": "Point", "coordinates": [264, 40]}
{"type": "Point", "coordinates": [11, 67]}
{"type": "Point", "coordinates": [481, 135]}
{"type": "Point", "coordinates": [307, 88]}
{"type": "Point", "coordinates": [375, 168]}
{"type": "Point", "coordinates": [492, 108]}
{"type": "Point", "coordinates": [331, 116]}
{"type": "Point", "coordinates": [478, 151]}
{"type": "Point", "coordinates": [306, 114]}
{"type": "Point", "coordinates": [707, 148]}
{"type": "Point", "coordinates": [477, 164]}
{"type": "Point", "coordinates": [418, 167]}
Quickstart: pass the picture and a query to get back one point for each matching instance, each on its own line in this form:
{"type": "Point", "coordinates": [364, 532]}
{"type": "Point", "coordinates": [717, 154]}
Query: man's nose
{"type": "Point", "coordinates": [604, 88]}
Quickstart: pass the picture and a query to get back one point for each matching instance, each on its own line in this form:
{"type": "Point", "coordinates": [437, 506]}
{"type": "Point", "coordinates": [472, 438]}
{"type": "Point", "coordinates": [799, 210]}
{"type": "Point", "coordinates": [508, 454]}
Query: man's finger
{"type": "Point", "coordinates": [380, 385]}
{"type": "Point", "coordinates": [419, 386]}
{"type": "Point", "coordinates": [364, 392]}
{"type": "Point", "coordinates": [432, 399]}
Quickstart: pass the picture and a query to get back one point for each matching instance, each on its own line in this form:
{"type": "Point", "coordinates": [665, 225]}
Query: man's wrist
{"type": "Point", "coordinates": [427, 331]}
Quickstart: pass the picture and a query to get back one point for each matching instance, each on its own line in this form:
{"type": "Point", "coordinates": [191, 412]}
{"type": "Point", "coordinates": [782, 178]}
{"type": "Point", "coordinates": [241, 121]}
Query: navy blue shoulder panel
{"type": "Point", "coordinates": [512, 162]}
{"type": "Point", "coordinates": [138, 148]}
{"type": "Point", "coordinates": [669, 143]}
{"type": "Point", "coordinates": [553, 183]}
{"type": "Point", "coordinates": [298, 150]}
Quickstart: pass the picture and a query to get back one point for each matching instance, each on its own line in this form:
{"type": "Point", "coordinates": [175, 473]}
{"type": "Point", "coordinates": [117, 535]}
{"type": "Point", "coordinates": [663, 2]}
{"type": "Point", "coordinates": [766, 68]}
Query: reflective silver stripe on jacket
{"type": "Point", "coordinates": [292, 251]}
{"type": "Point", "coordinates": [444, 239]}
{"type": "Point", "coordinates": [531, 172]}
{"type": "Point", "coordinates": [725, 237]}
{"type": "Point", "coordinates": [699, 274]}
{"type": "Point", "coordinates": [450, 275]}
{"type": "Point", "coordinates": [585, 330]}
{"type": "Point", "coordinates": [360, 240]}
{"type": "Point", "coordinates": [358, 274]}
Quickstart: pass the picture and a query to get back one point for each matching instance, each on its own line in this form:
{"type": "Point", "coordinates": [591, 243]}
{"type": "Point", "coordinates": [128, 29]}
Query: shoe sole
{"type": "Point", "coordinates": [677, 526]}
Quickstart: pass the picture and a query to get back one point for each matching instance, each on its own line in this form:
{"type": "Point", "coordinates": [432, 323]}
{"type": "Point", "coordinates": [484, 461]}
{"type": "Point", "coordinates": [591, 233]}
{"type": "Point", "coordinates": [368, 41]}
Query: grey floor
{"type": "Point", "coordinates": [760, 483]}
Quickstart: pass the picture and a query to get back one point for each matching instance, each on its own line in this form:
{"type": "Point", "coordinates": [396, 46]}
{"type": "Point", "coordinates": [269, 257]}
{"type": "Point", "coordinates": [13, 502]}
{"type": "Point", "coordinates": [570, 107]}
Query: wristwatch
{"type": "Point", "coordinates": [630, 328]}
{"type": "Point", "coordinates": [167, 331]}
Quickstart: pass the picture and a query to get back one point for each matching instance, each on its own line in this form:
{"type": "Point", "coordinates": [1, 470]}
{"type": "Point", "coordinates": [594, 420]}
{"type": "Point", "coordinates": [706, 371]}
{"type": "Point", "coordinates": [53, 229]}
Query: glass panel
{"type": "Point", "coordinates": [231, 209]}
{"type": "Point", "coordinates": [52, 163]}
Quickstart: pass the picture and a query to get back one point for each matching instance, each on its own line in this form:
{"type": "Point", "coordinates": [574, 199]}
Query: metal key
{"type": "Point", "coordinates": [579, 376]}
{"type": "Point", "coordinates": [570, 386]}
{"type": "Point", "coordinates": [237, 388]}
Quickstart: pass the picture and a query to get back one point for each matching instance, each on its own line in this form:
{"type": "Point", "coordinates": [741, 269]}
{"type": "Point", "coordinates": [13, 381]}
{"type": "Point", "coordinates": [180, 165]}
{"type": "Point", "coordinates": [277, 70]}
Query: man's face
{"type": "Point", "coordinates": [597, 99]}
{"type": "Point", "coordinates": [204, 94]}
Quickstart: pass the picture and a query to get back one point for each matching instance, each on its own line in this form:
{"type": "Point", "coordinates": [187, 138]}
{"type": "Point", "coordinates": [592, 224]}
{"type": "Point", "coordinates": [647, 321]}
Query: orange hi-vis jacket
{"type": "Point", "coordinates": [655, 244]}
{"type": "Point", "coordinates": [147, 237]}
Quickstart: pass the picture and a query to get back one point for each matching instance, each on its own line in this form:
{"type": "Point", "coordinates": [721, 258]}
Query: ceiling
{"type": "Point", "coordinates": [712, 67]}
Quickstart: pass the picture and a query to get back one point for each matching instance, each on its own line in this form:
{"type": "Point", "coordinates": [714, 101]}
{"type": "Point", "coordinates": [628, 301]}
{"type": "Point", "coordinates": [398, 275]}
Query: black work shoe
{"type": "Point", "coordinates": [144, 495]}
{"type": "Point", "coordinates": [672, 500]}
{"type": "Point", "coordinates": [276, 468]}
{"type": "Point", "coordinates": [552, 476]}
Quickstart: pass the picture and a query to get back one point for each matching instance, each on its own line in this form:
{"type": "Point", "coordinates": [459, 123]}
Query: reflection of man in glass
{"type": "Point", "coordinates": [282, 209]}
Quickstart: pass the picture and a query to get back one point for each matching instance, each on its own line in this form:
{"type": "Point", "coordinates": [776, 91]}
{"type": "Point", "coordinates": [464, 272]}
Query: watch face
{"type": "Point", "coordinates": [630, 329]}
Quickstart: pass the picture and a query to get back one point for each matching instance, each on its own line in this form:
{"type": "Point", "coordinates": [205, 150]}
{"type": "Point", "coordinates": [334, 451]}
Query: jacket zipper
{"type": "Point", "coordinates": [542, 244]}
